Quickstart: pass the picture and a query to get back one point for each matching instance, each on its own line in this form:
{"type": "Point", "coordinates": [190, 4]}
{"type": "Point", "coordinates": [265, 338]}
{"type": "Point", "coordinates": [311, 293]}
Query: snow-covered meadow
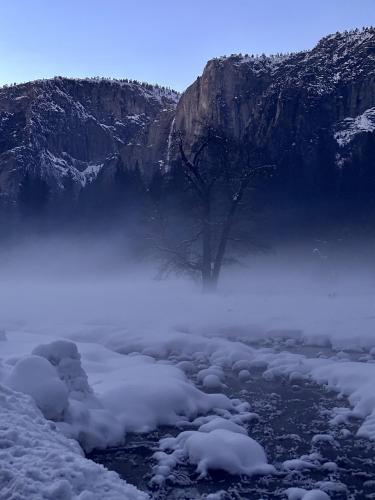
{"type": "Point", "coordinates": [92, 348]}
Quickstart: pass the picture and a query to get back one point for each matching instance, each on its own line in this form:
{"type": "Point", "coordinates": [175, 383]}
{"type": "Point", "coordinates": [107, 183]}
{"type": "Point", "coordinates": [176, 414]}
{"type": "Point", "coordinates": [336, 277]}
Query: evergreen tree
{"type": "Point", "coordinates": [33, 196]}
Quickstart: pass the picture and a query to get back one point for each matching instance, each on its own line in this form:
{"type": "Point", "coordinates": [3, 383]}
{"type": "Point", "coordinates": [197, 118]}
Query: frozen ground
{"type": "Point", "coordinates": [264, 390]}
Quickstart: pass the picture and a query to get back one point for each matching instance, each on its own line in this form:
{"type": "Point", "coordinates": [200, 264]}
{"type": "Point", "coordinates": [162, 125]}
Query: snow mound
{"type": "Point", "coordinates": [36, 377]}
{"type": "Point", "coordinates": [152, 394]}
{"type": "Point", "coordinates": [64, 355]}
{"type": "Point", "coordinates": [302, 494]}
{"type": "Point", "coordinates": [39, 462]}
{"type": "Point", "coordinates": [221, 423]}
{"type": "Point", "coordinates": [84, 419]}
{"type": "Point", "coordinates": [54, 378]}
{"type": "Point", "coordinates": [92, 427]}
{"type": "Point", "coordinates": [298, 464]}
{"type": "Point", "coordinates": [212, 382]}
{"type": "Point", "coordinates": [221, 449]}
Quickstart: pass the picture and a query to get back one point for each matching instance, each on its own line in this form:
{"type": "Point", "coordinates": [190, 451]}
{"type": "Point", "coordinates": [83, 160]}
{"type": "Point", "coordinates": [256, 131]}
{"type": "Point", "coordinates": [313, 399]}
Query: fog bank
{"type": "Point", "coordinates": [86, 288]}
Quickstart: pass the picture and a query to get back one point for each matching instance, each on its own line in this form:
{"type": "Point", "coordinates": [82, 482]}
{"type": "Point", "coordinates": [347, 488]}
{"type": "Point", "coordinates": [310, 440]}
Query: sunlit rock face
{"type": "Point", "coordinates": [313, 113]}
{"type": "Point", "coordinates": [79, 128]}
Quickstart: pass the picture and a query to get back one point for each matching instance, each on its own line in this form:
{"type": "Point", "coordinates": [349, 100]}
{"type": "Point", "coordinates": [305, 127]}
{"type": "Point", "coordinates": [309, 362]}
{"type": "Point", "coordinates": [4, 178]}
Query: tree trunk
{"type": "Point", "coordinates": [207, 247]}
{"type": "Point", "coordinates": [222, 248]}
{"type": "Point", "coordinates": [227, 227]}
{"type": "Point", "coordinates": [223, 242]}
{"type": "Point", "coordinates": [209, 283]}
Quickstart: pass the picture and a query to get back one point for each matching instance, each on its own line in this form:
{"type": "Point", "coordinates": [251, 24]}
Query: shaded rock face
{"type": "Point", "coordinates": [312, 112]}
{"type": "Point", "coordinates": [78, 128]}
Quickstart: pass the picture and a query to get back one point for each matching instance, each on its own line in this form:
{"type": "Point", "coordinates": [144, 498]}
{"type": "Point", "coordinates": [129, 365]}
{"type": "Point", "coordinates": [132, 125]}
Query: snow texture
{"type": "Point", "coordinates": [38, 462]}
{"type": "Point", "coordinates": [36, 377]}
{"type": "Point", "coordinates": [349, 128]}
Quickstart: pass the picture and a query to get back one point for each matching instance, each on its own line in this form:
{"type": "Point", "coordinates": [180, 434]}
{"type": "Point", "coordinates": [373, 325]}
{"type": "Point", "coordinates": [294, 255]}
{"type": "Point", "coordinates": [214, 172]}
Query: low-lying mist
{"type": "Point", "coordinates": [67, 285]}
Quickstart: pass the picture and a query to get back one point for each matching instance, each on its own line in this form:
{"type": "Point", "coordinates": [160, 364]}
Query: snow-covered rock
{"type": "Point", "coordinates": [64, 356]}
{"type": "Point", "coordinates": [302, 494]}
{"type": "Point", "coordinates": [298, 464]}
{"type": "Point", "coordinates": [221, 423]}
{"type": "Point", "coordinates": [219, 448]}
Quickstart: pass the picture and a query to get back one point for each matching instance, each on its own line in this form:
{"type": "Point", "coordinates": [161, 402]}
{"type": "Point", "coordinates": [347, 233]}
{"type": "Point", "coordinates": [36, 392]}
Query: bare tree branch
{"type": "Point", "coordinates": [220, 187]}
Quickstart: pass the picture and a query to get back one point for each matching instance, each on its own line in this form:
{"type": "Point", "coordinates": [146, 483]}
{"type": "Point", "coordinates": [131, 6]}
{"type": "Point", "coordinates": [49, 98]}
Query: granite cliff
{"type": "Point", "coordinates": [312, 112]}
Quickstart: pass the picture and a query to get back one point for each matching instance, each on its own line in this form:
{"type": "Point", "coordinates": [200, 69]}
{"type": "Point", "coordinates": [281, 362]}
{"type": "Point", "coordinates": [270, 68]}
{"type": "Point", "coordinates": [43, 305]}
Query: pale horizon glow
{"type": "Point", "coordinates": [167, 42]}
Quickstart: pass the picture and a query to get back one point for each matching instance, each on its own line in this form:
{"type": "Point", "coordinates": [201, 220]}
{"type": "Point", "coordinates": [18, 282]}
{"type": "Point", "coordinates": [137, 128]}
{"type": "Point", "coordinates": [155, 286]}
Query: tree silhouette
{"type": "Point", "coordinates": [218, 173]}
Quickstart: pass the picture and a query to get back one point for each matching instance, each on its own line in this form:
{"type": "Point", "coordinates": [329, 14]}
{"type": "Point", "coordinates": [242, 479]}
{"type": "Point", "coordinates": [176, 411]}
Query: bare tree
{"type": "Point", "coordinates": [218, 174]}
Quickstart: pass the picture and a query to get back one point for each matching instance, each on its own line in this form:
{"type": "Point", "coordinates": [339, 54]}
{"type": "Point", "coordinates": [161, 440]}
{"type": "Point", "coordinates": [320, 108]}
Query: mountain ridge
{"type": "Point", "coordinates": [79, 126]}
{"type": "Point", "coordinates": [312, 112]}
{"type": "Point", "coordinates": [293, 106]}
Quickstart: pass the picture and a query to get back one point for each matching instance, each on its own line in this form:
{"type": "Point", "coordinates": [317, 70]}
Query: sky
{"type": "Point", "coordinates": [159, 41]}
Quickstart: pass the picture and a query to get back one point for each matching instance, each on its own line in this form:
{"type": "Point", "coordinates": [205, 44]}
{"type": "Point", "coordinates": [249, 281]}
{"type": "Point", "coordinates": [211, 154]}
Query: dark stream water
{"type": "Point", "coordinates": [290, 415]}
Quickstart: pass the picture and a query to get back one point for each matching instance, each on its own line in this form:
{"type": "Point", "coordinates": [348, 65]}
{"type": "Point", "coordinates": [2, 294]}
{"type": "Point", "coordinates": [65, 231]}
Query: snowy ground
{"type": "Point", "coordinates": [113, 360]}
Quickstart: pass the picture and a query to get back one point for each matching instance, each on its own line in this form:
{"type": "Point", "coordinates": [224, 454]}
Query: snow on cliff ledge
{"type": "Point", "coordinates": [349, 128]}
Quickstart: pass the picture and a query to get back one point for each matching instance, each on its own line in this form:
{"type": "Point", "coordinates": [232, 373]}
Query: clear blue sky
{"type": "Point", "coordinates": [160, 41]}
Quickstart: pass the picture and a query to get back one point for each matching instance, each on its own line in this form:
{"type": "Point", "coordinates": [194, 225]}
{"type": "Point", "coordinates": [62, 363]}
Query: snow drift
{"type": "Point", "coordinates": [37, 461]}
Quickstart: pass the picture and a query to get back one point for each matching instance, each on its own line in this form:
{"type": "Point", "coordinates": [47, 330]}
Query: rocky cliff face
{"type": "Point", "coordinates": [313, 112]}
{"type": "Point", "coordinates": [78, 128]}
